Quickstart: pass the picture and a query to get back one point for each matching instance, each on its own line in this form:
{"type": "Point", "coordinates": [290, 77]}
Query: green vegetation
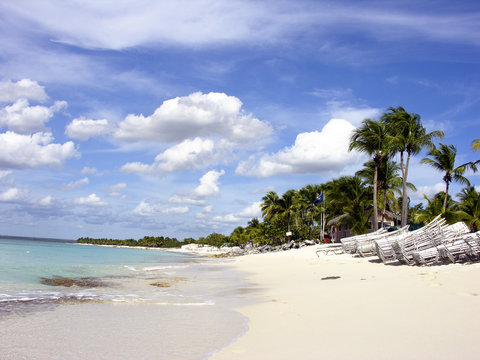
{"type": "Point", "coordinates": [381, 185]}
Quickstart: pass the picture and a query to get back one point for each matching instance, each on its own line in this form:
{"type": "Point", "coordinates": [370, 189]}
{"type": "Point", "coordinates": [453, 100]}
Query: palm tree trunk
{"type": "Point", "coordinates": [404, 188]}
{"type": "Point", "coordinates": [446, 197]}
{"type": "Point", "coordinates": [375, 205]}
{"type": "Point", "coordinates": [384, 205]}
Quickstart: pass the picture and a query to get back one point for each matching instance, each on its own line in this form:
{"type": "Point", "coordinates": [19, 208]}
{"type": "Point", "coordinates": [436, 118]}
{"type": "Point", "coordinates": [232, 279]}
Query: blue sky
{"type": "Point", "coordinates": [129, 118]}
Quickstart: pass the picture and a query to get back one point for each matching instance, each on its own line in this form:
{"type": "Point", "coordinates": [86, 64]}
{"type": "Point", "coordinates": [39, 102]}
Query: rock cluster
{"type": "Point", "coordinates": [247, 249]}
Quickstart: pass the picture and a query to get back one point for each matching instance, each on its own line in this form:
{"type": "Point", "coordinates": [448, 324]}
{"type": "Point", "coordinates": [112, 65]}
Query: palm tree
{"type": "Point", "coordinates": [389, 183]}
{"type": "Point", "coordinates": [476, 144]}
{"type": "Point", "coordinates": [287, 206]}
{"type": "Point", "coordinates": [348, 196]}
{"type": "Point", "coordinates": [470, 207]}
{"type": "Point", "coordinates": [443, 159]}
{"type": "Point", "coordinates": [270, 205]}
{"type": "Point", "coordinates": [306, 197]}
{"type": "Point", "coordinates": [435, 207]}
{"type": "Point", "coordinates": [371, 138]}
{"type": "Point", "coordinates": [408, 136]}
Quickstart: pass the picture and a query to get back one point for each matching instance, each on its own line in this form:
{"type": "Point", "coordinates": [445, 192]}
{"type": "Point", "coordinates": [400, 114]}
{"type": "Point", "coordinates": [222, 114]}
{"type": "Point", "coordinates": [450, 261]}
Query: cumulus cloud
{"type": "Point", "coordinates": [90, 200]}
{"type": "Point", "coordinates": [254, 210]}
{"type": "Point", "coordinates": [12, 195]}
{"type": "Point", "coordinates": [208, 185]}
{"type": "Point", "coordinates": [186, 199]}
{"type": "Point", "coordinates": [195, 115]}
{"type": "Point", "coordinates": [24, 119]}
{"type": "Point", "coordinates": [251, 211]}
{"type": "Point", "coordinates": [116, 190]}
{"type": "Point", "coordinates": [430, 191]}
{"type": "Point", "coordinates": [89, 170]}
{"type": "Point", "coordinates": [189, 154]}
{"type": "Point", "coordinates": [31, 151]}
{"type": "Point", "coordinates": [83, 129]}
{"type": "Point", "coordinates": [46, 201]}
{"type": "Point", "coordinates": [313, 152]}
{"type": "Point", "coordinates": [229, 218]}
{"type": "Point", "coordinates": [147, 210]}
{"type": "Point", "coordinates": [22, 89]}
{"type": "Point", "coordinates": [208, 129]}
{"type": "Point", "coordinates": [75, 184]}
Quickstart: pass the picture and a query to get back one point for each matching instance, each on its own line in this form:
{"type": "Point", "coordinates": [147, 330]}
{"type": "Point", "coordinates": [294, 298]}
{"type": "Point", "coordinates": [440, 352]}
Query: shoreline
{"type": "Point", "coordinates": [342, 307]}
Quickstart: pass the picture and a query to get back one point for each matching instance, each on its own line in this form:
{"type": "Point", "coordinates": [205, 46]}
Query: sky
{"type": "Point", "coordinates": [122, 119]}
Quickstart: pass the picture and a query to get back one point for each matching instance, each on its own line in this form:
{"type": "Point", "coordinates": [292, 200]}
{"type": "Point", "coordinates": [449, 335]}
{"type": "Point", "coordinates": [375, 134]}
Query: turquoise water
{"type": "Point", "coordinates": [125, 275]}
{"type": "Point", "coordinates": [181, 303]}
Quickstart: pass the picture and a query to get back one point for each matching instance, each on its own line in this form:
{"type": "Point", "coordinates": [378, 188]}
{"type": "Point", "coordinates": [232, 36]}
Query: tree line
{"type": "Point", "coordinates": [380, 187]}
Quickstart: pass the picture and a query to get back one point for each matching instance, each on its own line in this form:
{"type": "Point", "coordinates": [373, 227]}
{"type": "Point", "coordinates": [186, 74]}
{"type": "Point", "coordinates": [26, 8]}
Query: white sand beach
{"type": "Point", "coordinates": [371, 311]}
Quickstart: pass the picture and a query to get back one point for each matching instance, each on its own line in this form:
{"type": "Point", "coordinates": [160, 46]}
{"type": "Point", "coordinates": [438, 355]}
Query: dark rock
{"type": "Point", "coordinates": [67, 282]}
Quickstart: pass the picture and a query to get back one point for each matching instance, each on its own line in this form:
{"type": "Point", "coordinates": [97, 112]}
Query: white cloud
{"type": "Point", "coordinates": [116, 190]}
{"type": "Point", "coordinates": [90, 200]}
{"type": "Point", "coordinates": [353, 114]}
{"type": "Point", "coordinates": [201, 22]}
{"type": "Point", "coordinates": [209, 128]}
{"type": "Point", "coordinates": [195, 115]}
{"type": "Point", "coordinates": [24, 119]}
{"type": "Point", "coordinates": [4, 174]}
{"type": "Point", "coordinates": [187, 200]}
{"type": "Point", "coordinates": [254, 210]}
{"type": "Point", "coordinates": [249, 212]}
{"type": "Point", "coordinates": [75, 184]}
{"type": "Point", "coordinates": [196, 154]}
{"type": "Point", "coordinates": [313, 152]}
{"type": "Point", "coordinates": [36, 150]}
{"type": "Point", "coordinates": [229, 218]}
{"type": "Point", "coordinates": [46, 201]}
{"type": "Point", "coordinates": [11, 195]}
{"type": "Point", "coordinates": [146, 209]}
{"type": "Point", "coordinates": [189, 154]}
{"type": "Point", "coordinates": [25, 88]}
{"type": "Point", "coordinates": [89, 170]}
{"type": "Point", "coordinates": [208, 185]}
{"type": "Point", "coordinates": [83, 129]}
{"type": "Point", "coordinates": [426, 190]}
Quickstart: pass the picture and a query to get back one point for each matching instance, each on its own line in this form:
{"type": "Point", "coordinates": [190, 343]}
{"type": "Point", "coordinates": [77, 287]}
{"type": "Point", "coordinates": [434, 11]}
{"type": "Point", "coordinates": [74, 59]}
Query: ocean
{"type": "Point", "coordinates": [166, 295]}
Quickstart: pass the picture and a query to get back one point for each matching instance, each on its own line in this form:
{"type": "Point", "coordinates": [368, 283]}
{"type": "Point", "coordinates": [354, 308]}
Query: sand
{"type": "Point", "coordinates": [341, 307]}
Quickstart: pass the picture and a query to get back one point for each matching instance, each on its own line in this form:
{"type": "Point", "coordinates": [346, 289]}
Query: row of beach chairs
{"type": "Point", "coordinates": [434, 243]}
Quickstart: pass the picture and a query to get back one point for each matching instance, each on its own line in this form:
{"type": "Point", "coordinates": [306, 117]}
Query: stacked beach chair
{"type": "Point", "coordinates": [434, 243]}
{"type": "Point", "coordinates": [349, 244]}
{"type": "Point", "coordinates": [367, 246]}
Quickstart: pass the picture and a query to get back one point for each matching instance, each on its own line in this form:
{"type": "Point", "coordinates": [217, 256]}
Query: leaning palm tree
{"type": "Point", "coordinates": [371, 138]}
{"type": "Point", "coordinates": [408, 136]}
{"type": "Point", "coordinates": [443, 159]}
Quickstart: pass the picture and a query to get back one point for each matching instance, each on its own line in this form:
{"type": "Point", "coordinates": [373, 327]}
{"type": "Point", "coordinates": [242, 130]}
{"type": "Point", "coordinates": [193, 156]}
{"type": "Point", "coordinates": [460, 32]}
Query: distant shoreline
{"type": "Point", "coordinates": [11, 237]}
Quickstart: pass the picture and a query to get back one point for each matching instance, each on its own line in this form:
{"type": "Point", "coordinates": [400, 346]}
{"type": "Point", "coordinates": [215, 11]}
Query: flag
{"type": "Point", "coordinates": [318, 200]}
